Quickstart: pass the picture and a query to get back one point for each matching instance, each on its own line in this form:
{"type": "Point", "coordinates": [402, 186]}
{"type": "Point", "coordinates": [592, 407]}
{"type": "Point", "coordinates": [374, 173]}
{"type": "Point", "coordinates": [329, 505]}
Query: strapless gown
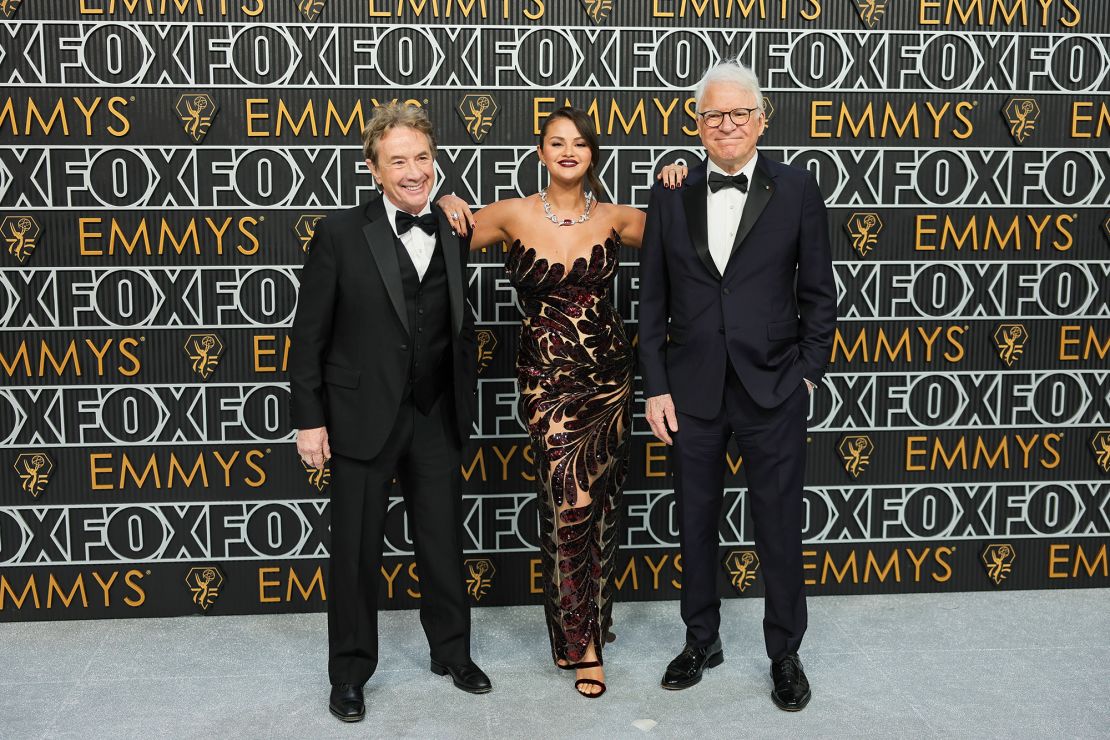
{"type": "Point", "coordinates": [574, 375]}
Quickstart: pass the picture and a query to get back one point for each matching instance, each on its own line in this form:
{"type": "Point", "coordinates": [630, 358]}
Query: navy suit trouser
{"type": "Point", "coordinates": [772, 443]}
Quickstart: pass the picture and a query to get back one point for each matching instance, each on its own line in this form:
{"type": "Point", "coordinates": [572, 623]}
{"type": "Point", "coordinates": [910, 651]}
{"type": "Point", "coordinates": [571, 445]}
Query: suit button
{"type": "Point", "coordinates": [404, 348]}
{"type": "Point", "coordinates": [419, 329]}
{"type": "Point", "coordinates": [721, 329]}
{"type": "Point", "coordinates": [726, 291]}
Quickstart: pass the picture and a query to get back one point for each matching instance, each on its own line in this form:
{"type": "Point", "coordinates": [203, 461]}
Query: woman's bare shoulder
{"type": "Point", "coordinates": [621, 212]}
{"type": "Point", "coordinates": [506, 207]}
{"type": "Point", "coordinates": [617, 214]}
{"type": "Point", "coordinates": [626, 220]}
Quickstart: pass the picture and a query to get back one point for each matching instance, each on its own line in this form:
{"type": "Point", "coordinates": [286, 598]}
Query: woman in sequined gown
{"type": "Point", "coordinates": [574, 373]}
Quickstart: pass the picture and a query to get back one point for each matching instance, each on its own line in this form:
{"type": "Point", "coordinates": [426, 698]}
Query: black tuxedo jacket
{"type": "Point", "coordinates": [773, 311]}
{"type": "Point", "coordinates": [349, 361]}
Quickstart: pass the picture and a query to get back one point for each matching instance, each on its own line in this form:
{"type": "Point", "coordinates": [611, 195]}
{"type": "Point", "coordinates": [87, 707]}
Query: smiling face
{"type": "Point", "coordinates": [564, 151]}
{"type": "Point", "coordinates": [730, 146]}
{"type": "Point", "coordinates": [405, 168]}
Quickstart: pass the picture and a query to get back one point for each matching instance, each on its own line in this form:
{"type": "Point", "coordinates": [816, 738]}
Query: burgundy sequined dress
{"type": "Point", "coordinates": [574, 374]}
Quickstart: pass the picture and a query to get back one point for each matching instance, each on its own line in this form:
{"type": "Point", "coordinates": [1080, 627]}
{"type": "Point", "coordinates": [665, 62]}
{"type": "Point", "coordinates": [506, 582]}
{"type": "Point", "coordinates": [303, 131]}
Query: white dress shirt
{"type": "Point", "coordinates": [724, 209]}
{"type": "Point", "coordinates": [418, 244]}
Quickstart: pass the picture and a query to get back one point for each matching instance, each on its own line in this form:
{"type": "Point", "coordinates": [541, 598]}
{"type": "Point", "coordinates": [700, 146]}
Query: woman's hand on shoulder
{"type": "Point", "coordinates": [673, 175]}
{"type": "Point", "coordinates": [458, 213]}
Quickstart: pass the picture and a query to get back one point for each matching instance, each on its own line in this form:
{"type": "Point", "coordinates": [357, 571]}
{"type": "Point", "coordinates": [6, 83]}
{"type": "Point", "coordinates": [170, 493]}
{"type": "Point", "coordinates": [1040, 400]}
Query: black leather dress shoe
{"type": "Point", "coordinates": [346, 702]}
{"type": "Point", "coordinates": [465, 676]}
{"type": "Point", "coordinates": [791, 692]}
{"type": "Point", "coordinates": [685, 670]}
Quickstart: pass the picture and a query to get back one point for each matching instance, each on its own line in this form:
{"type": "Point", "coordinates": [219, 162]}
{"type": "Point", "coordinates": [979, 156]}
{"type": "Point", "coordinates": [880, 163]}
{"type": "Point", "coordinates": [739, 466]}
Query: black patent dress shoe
{"type": "Point", "coordinates": [347, 703]}
{"type": "Point", "coordinates": [791, 692]}
{"type": "Point", "coordinates": [685, 670]}
{"type": "Point", "coordinates": [465, 676]}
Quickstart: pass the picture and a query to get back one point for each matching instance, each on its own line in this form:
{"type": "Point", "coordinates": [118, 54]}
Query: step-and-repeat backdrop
{"type": "Point", "coordinates": [163, 164]}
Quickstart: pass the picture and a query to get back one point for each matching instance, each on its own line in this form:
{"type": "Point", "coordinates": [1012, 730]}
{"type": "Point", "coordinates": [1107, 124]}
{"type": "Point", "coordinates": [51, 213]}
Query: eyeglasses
{"type": "Point", "coordinates": [739, 116]}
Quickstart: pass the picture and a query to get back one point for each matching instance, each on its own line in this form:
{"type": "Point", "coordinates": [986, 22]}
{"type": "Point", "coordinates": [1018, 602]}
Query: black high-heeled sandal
{"type": "Point", "coordinates": [610, 636]}
{"type": "Point", "coordinates": [588, 681]}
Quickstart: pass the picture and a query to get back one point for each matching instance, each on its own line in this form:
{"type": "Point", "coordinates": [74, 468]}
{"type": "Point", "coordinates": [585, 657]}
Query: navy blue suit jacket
{"type": "Point", "coordinates": [771, 314]}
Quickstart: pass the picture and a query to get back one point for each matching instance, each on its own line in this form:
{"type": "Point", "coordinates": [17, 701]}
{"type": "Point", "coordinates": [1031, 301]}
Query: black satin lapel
{"type": "Point", "coordinates": [697, 221]}
{"type": "Point", "coordinates": [452, 259]}
{"type": "Point", "coordinates": [379, 239]}
{"type": "Point", "coordinates": [759, 194]}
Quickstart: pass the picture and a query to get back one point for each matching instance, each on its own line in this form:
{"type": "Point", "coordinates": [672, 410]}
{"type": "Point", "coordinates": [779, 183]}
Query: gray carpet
{"type": "Point", "coordinates": [1017, 664]}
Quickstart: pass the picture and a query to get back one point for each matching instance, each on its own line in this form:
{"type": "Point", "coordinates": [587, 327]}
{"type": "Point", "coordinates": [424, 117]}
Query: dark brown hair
{"type": "Point", "coordinates": [585, 127]}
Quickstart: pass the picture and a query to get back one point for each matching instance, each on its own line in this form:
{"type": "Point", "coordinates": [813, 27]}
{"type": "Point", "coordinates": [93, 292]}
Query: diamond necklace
{"type": "Point", "coordinates": [566, 221]}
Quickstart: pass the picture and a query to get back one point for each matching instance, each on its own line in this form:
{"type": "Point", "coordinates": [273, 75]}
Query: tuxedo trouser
{"type": "Point", "coordinates": [424, 453]}
{"type": "Point", "coordinates": [772, 443]}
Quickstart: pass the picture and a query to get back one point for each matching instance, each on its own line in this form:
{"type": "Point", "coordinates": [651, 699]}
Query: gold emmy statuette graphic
{"type": "Point", "coordinates": [8, 7]}
{"type": "Point", "coordinates": [864, 229]}
{"type": "Point", "coordinates": [487, 342]}
{"type": "Point", "coordinates": [481, 572]}
{"type": "Point", "coordinates": [305, 228]}
{"type": "Point", "coordinates": [21, 234]}
{"type": "Point", "coordinates": [205, 583]}
{"type": "Point", "coordinates": [742, 566]}
{"type": "Point", "coordinates": [855, 451]}
{"type": "Point", "coordinates": [196, 111]}
{"type": "Point", "coordinates": [310, 9]}
{"type": "Point", "coordinates": [1010, 340]}
{"type": "Point", "coordinates": [1021, 114]}
{"type": "Point", "coordinates": [768, 113]}
{"type": "Point", "coordinates": [478, 111]}
{"type": "Point", "coordinates": [598, 10]}
{"type": "Point", "coordinates": [319, 477]}
{"type": "Point", "coordinates": [1100, 445]}
{"type": "Point", "coordinates": [204, 350]}
{"type": "Point", "coordinates": [870, 11]}
{"type": "Point", "coordinates": [998, 560]}
{"type": "Point", "coordinates": [35, 469]}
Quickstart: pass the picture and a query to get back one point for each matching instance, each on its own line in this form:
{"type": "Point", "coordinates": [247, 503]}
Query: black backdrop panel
{"type": "Point", "coordinates": [163, 164]}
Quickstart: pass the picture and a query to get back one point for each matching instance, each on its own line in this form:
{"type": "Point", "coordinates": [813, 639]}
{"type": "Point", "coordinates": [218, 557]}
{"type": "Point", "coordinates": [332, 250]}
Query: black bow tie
{"type": "Point", "coordinates": [405, 222]}
{"type": "Point", "coordinates": [718, 181]}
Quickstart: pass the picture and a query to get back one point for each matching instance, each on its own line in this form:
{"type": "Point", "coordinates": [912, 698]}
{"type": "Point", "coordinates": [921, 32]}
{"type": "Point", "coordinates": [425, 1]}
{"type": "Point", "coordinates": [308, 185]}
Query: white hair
{"type": "Point", "coordinates": [729, 72]}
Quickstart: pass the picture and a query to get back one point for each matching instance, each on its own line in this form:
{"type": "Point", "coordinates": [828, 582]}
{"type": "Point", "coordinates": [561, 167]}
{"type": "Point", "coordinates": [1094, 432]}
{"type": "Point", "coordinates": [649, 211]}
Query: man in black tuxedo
{"type": "Point", "coordinates": [382, 375]}
{"type": "Point", "coordinates": [737, 260]}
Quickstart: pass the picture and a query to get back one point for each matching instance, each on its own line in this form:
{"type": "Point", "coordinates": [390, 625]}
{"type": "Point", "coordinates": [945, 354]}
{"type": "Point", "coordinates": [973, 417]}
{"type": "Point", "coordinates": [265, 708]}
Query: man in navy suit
{"type": "Point", "coordinates": [737, 313]}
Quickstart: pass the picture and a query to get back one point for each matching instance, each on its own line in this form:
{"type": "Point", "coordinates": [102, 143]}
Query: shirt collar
{"type": "Point", "coordinates": [748, 169]}
{"type": "Point", "coordinates": [391, 211]}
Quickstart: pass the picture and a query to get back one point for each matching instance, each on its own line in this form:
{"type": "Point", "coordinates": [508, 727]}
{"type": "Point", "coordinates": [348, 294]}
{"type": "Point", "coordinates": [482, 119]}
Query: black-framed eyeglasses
{"type": "Point", "coordinates": [739, 116]}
